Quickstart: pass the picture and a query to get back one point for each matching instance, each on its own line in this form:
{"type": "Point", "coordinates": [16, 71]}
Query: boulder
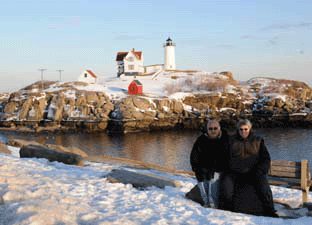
{"type": "Point", "coordinates": [20, 142]}
{"type": "Point", "coordinates": [149, 115]}
{"type": "Point", "coordinates": [128, 102]}
{"type": "Point", "coordinates": [177, 107]}
{"type": "Point", "coordinates": [141, 103]}
{"type": "Point", "coordinates": [279, 103]}
{"type": "Point", "coordinates": [163, 105]}
{"type": "Point", "coordinates": [81, 101]}
{"type": "Point", "coordinates": [102, 100]}
{"type": "Point", "coordinates": [108, 106]}
{"type": "Point", "coordinates": [229, 74]}
{"type": "Point", "coordinates": [194, 195]}
{"type": "Point", "coordinates": [137, 115]}
{"type": "Point", "coordinates": [4, 148]}
{"type": "Point", "coordinates": [10, 107]}
{"type": "Point", "coordinates": [139, 180]}
{"type": "Point", "coordinates": [39, 106]}
{"type": "Point", "coordinates": [39, 151]}
{"type": "Point", "coordinates": [92, 97]}
{"type": "Point", "coordinates": [25, 109]}
{"type": "Point", "coordinates": [73, 150]}
{"type": "Point", "coordinates": [60, 101]}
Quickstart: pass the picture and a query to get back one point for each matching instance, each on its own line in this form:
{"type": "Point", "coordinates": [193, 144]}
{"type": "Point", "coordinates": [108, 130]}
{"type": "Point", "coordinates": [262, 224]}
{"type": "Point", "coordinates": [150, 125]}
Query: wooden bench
{"type": "Point", "coordinates": [292, 175]}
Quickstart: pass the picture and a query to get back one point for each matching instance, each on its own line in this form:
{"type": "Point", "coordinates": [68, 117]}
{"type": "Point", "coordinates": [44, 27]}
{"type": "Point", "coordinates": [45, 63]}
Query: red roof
{"type": "Point", "coordinates": [121, 55]}
{"type": "Point", "coordinates": [137, 82]}
{"type": "Point", "coordinates": [138, 55]}
{"type": "Point", "coordinates": [91, 73]}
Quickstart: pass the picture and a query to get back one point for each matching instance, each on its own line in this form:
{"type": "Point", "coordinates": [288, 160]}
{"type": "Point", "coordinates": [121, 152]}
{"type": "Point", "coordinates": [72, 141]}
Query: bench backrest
{"type": "Point", "coordinates": [290, 169]}
{"type": "Point", "coordinates": [284, 168]}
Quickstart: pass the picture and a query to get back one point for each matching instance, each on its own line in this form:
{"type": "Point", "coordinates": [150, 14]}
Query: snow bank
{"type": "Point", "coordinates": [40, 192]}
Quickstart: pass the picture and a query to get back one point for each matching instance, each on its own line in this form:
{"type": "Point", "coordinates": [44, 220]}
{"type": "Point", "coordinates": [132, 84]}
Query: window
{"type": "Point", "coordinates": [131, 59]}
{"type": "Point", "coordinates": [86, 75]}
{"type": "Point", "coordinates": [131, 67]}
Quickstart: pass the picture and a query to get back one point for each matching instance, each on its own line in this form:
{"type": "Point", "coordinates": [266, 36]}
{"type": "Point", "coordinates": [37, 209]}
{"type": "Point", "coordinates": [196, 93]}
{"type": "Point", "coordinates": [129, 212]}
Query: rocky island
{"type": "Point", "coordinates": [172, 100]}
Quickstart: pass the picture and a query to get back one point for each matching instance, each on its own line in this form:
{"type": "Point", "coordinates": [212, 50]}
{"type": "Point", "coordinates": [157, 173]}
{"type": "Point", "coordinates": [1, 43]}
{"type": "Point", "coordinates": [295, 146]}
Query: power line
{"type": "Point", "coordinates": [42, 77]}
{"type": "Point", "coordinates": [60, 74]}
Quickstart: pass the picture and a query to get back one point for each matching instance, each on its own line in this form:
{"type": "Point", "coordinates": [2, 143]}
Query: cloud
{"type": "Point", "coordinates": [271, 40]}
{"type": "Point", "coordinates": [286, 26]}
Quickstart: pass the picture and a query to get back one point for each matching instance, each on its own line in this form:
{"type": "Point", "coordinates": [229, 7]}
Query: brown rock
{"type": "Point", "coordinates": [4, 148]}
{"type": "Point", "coordinates": [38, 151]}
{"type": "Point", "coordinates": [228, 74]}
{"type": "Point", "coordinates": [102, 125]}
{"type": "Point", "coordinates": [74, 150]}
{"type": "Point", "coordinates": [137, 115]}
{"type": "Point", "coordinates": [108, 106]}
{"type": "Point", "coordinates": [279, 103]}
{"type": "Point", "coordinates": [25, 109]}
{"type": "Point", "coordinates": [139, 180]}
{"type": "Point", "coordinates": [39, 106]}
{"type": "Point", "coordinates": [141, 103]}
{"type": "Point", "coordinates": [101, 102]}
{"type": "Point", "coordinates": [177, 107]}
{"type": "Point", "coordinates": [150, 114]}
{"type": "Point", "coordinates": [92, 97]}
{"type": "Point", "coordinates": [222, 102]}
{"type": "Point", "coordinates": [81, 100]}
{"type": "Point", "coordinates": [128, 102]}
{"type": "Point", "coordinates": [10, 107]}
{"type": "Point", "coordinates": [163, 105]}
{"type": "Point", "coordinates": [20, 142]}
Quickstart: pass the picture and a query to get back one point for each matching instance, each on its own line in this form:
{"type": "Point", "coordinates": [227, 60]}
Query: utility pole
{"type": "Point", "coordinates": [42, 77]}
{"type": "Point", "coordinates": [60, 74]}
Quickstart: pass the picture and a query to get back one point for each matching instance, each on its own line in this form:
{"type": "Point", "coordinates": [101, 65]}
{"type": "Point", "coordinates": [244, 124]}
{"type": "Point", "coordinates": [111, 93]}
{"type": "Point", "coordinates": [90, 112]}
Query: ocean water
{"type": "Point", "coordinates": [170, 148]}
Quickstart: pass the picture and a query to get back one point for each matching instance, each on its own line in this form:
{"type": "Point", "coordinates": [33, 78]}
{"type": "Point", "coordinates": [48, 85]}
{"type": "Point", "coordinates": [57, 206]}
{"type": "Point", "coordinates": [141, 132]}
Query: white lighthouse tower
{"type": "Point", "coordinates": [169, 55]}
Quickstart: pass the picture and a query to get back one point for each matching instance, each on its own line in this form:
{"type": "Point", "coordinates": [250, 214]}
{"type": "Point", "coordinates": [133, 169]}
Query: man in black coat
{"type": "Point", "coordinates": [207, 156]}
{"type": "Point", "coordinates": [248, 163]}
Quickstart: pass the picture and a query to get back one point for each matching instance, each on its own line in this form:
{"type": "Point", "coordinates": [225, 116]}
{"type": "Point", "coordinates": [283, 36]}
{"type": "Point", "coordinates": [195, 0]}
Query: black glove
{"type": "Point", "coordinates": [208, 174]}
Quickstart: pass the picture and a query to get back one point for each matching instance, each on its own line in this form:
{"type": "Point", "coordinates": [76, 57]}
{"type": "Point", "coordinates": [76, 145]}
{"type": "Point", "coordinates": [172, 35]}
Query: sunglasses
{"type": "Point", "coordinates": [243, 129]}
{"type": "Point", "coordinates": [213, 128]}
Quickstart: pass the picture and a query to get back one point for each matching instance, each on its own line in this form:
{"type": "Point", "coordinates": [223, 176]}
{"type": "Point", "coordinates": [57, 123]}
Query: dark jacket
{"type": "Point", "coordinates": [248, 155]}
{"type": "Point", "coordinates": [207, 156]}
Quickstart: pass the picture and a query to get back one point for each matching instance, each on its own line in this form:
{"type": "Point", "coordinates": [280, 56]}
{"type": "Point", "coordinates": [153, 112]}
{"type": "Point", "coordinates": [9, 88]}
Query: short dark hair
{"type": "Point", "coordinates": [213, 119]}
{"type": "Point", "coordinates": [204, 127]}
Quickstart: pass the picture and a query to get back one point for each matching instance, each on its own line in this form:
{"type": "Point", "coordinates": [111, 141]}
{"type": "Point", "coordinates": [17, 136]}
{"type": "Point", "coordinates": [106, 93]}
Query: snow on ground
{"type": "Point", "coordinates": [39, 192]}
{"type": "Point", "coordinates": [153, 86]}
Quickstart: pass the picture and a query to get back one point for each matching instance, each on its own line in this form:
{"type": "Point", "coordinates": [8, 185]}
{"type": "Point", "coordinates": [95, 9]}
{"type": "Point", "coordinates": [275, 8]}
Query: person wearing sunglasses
{"type": "Point", "coordinates": [207, 159]}
{"type": "Point", "coordinates": [248, 164]}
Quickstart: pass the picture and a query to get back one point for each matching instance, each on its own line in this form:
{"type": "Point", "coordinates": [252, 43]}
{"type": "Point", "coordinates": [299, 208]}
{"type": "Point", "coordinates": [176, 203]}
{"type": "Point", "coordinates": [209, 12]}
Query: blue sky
{"type": "Point", "coordinates": [250, 38]}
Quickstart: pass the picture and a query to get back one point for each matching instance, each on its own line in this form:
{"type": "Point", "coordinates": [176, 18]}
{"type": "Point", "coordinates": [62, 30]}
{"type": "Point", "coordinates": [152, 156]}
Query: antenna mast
{"type": "Point", "coordinates": [42, 77]}
{"type": "Point", "coordinates": [60, 71]}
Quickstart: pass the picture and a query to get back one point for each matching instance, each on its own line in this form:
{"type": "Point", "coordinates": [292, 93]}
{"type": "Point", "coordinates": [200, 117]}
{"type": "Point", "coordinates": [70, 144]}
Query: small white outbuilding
{"type": "Point", "coordinates": [88, 76]}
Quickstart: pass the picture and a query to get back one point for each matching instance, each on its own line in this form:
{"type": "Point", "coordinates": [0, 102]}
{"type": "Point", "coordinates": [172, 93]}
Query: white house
{"type": "Point", "coordinates": [130, 63]}
{"type": "Point", "coordinates": [88, 76]}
